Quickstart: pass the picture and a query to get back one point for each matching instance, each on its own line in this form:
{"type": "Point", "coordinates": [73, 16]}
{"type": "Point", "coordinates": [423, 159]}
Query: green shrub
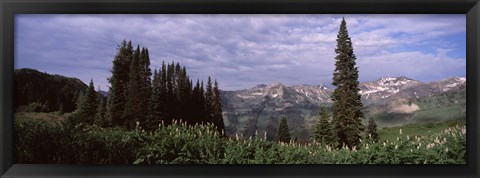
{"type": "Point", "coordinates": [38, 141]}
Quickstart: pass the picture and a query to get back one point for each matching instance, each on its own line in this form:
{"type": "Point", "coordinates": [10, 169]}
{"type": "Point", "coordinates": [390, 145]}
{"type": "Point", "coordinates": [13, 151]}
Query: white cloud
{"type": "Point", "coordinates": [243, 50]}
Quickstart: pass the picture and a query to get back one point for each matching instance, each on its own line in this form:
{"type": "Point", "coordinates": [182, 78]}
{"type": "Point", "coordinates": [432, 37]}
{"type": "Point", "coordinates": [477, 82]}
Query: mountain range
{"type": "Point", "coordinates": [392, 101]}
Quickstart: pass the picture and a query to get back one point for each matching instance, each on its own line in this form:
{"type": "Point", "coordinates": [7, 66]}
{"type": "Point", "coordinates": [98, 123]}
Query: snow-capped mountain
{"type": "Point", "coordinates": [385, 87]}
{"type": "Point", "coordinates": [449, 84]}
{"type": "Point", "coordinates": [261, 107]}
{"type": "Point", "coordinates": [319, 93]}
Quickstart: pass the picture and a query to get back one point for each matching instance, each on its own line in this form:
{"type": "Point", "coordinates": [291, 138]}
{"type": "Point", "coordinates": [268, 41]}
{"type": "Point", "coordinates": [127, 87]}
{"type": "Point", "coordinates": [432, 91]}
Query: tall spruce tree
{"type": "Point", "coordinates": [119, 83]}
{"type": "Point", "coordinates": [323, 130]}
{"type": "Point", "coordinates": [209, 101]}
{"type": "Point", "coordinates": [88, 106]}
{"type": "Point", "coordinates": [170, 95]}
{"type": "Point", "coordinates": [156, 114]}
{"type": "Point", "coordinates": [217, 109]}
{"type": "Point", "coordinates": [283, 133]}
{"type": "Point", "coordinates": [145, 88]}
{"type": "Point", "coordinates": [347, 104]}
{"type": "Point", "coordinates": [163, 90]}
{"type": "Point", "coordinates": [133, 110]}
{"type": "Point", "coordinates": [371, 133]}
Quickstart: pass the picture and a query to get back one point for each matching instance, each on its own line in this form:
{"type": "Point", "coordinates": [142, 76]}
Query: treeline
{"type": "Point", "coordinates": [41, 92]}
{"type": "Point", "coordinates": [138, 97]}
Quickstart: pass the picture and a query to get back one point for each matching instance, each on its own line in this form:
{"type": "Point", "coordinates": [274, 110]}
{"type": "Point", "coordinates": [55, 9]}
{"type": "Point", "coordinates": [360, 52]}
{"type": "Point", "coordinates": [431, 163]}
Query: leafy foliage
{"type": "Point", "coordinates": [40, 141]}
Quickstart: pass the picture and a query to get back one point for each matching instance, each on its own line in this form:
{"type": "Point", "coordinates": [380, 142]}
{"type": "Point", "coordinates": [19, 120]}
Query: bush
{"type": "Point", "coordinates": [38, 141]}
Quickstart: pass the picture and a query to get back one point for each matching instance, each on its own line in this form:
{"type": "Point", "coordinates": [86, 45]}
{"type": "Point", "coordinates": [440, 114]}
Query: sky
{"type": "Point", "coordinates": [242, 51]}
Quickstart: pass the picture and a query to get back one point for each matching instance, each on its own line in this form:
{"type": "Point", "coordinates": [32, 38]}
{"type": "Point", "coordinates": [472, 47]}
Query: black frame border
{"type": "Point", "coordinates": [8, 9]}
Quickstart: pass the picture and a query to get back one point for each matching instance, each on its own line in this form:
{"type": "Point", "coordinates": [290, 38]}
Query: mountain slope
{"type": "Point", "coordinates": [392, 101]}
{"type": "Point", "coordinates": [32, 86]}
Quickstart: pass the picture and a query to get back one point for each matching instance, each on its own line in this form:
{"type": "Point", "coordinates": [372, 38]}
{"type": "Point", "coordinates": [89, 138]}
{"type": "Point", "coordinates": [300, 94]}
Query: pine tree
{"type": "Point", "coordinates": [170, 95]}
{"type": "Point", "coordinates": [209, 100]}
{"type": "Point", "coordinates": [133, 110]}
{"type": "Point", "coordinates": [217, 109]}
{"type": "Point", "coordinates": [371, 132]}
{"type": "Point", "coordinates": [100, 116]}
{"type": "Point", "coordinates": [156, 114]}
{"type": "Point", "coordinates": [163, 91]}
{"type": "Point", "coordinates": [145, 88]}
{"type": "Point", "coordinates": [283, 133]}
{"type": "Point", "coordinates": [88, 106]}
{"type": "Point", "coordinates": [323, 130]}
{"type": "Point", "coordinates": [347, 104]}
{"type": "Point", "coordinates": [119, 83]}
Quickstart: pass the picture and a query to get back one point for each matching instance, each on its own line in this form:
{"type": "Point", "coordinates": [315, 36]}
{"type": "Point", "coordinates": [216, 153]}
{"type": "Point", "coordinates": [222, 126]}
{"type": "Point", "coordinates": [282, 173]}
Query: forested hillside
{"type": "Point", "coordinates": [38, 91]}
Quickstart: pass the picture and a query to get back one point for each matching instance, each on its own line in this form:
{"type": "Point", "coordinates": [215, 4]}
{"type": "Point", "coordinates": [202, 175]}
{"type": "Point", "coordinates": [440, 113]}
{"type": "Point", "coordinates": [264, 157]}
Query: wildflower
{"type": "Point", "coordinates": [411, 150]}
{"type": "Point", "coordinates": [446, 149]}
{"type": "Point", "coordinates": [396, 146]}
{"type": "Point", "coordinates": [384, 144]}
{"type": "Point", "coordinates": [408, 137]}
{"type": "Point", "coordinates": [138, 123]}
{"type": "Point", "coordinates": [398, 139]}
{"type": "Point", "coordinates": [400, 131]}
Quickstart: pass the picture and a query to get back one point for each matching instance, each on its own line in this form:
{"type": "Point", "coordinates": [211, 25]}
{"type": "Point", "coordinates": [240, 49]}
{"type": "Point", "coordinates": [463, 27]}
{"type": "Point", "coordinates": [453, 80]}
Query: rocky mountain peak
{"type": "Point", "coordinates": [395, 81]}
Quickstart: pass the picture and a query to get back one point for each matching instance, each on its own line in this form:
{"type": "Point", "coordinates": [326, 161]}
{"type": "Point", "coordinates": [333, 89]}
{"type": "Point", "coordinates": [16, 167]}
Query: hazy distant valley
{"type": "Point", "coordinates": [392, 101]}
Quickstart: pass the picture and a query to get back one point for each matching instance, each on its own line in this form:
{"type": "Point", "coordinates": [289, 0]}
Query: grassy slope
{"type": "Point", "coordinates": [41, 116]}
{"type": "Point", "coordinates": [412, 130]}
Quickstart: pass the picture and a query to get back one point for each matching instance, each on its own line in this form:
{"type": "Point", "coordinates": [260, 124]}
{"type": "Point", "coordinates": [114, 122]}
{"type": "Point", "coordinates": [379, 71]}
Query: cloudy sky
{"type": "Point", "coordinates": [241, 51]}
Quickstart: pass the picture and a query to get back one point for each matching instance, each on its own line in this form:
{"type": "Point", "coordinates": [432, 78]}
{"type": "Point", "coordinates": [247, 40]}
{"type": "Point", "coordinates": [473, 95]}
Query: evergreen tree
{"type": "Point", "coordinates": [347, 104]}
{"type": "Point", "coordinates": [202, 104]}
{"type": "Point", "coordinates": [196, 105]}
{"type": "Point", "coordinates": [217, 109]}
{"type": "Point", "coordinates": [209, 101]}
{"type": "Point", "coordinates": [371, 132]}
{"type": "Point", "coordinates": [155, 116]}
{"type": "Point", "coordinates": [88, 106]}
{"type": "Point", "coordinates": [133, 109]}
{"type": "Point", "coordinates": [283, 133]}
{"type": "Point", "coordinates": [119, 83]}
{"type": "Point", "coordinates": [100, 117]}
{"type": "Point", "coordinates": [145, 88]}
{"type": "Point", "coordinates": [163, 90]}
{"type": "Point", "coordinates": [170, 95]}
{"type": "Point", "coordinates": [323, 130]}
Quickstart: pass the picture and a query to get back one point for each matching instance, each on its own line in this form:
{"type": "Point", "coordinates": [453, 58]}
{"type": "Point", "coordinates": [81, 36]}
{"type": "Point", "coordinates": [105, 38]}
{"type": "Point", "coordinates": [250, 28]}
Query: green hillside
{"type": "Point", "coordinates": [423, 129]}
